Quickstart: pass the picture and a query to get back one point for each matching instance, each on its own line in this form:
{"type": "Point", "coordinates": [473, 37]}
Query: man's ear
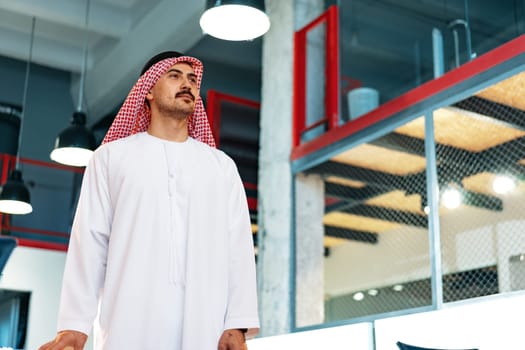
{"type": "Point", "coordinates": [149, 96]}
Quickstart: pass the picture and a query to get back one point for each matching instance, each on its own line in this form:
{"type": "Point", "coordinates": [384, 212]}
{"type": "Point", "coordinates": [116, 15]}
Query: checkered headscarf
{"type": "Point", "coordinates": [134, 116]}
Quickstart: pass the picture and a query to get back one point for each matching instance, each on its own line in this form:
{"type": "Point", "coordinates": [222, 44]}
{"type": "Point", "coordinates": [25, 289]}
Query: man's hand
{"type": "Point", "coordinates": [232, 339]}
{"type": "Point", "coordinates": [66, 340]}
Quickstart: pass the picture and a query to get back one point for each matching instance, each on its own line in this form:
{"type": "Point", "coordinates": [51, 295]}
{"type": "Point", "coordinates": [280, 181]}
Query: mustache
{"type": "Point", "coordinates": [185, 92]}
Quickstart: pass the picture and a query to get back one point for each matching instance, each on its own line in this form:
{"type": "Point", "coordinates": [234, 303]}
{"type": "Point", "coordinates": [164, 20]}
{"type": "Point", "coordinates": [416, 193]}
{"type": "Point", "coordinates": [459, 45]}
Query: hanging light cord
{"type": "Point", "coordinates": [24, 98]}
{"type": "Point", "coordinates": [84, 60]}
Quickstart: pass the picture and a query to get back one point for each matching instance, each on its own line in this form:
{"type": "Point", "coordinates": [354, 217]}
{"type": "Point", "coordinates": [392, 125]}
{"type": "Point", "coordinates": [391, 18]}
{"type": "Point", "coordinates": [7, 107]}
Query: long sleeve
{"type": "Point", "coordinates": [86, 258]}
{"type": "Point", "coordinates": [242, 286]}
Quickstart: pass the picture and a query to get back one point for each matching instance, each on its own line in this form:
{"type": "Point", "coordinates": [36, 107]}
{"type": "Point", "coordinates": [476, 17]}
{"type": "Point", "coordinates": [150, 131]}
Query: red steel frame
{"type": "Point", "coordinates": [213, 106]}
{"type": "Point", "coordinates": [8, 163]}
{"type": "Point", "coordinates": [468, 70]}
{"type": "Point", "coordinates": [331, 118]}
{"type": "Point", "coordinates": [6, 166]}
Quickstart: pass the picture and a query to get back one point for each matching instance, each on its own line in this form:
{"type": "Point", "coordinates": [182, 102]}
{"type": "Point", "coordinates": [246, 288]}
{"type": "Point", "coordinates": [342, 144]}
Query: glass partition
{"type": "Point", "coordinates": [481, 152]}
{"type": "Point", "coordinates": [364, 203]}
{"type": "Point", "coordinates": [389, 47]}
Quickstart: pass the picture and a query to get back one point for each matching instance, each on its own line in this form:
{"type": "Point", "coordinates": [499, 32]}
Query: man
{"type": "Point", "coordinates": [161, 255]}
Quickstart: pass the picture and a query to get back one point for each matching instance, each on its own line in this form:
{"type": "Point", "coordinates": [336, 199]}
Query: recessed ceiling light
{"type": "Point", "coordinates": [398, 287]}
{"type": "Point", "coordinates": [451, 198]}
{"type": "Point", "coordinates": [503, 184]}
{"type": "Point", "coordinates": [359, 296]}
{"type": "Point", "coordinates": [373, 292]}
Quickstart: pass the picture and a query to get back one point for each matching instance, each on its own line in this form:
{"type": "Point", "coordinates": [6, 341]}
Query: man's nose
{"type": "Point", "coordinates": [186, 83]}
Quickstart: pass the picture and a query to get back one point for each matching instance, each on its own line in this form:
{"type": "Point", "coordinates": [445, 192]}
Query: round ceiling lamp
{"type": "Point", "coordinates": [235, 20]}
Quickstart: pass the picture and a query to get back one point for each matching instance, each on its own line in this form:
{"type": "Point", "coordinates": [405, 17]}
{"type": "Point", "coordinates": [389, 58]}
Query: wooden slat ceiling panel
{"type": "Point", "coordinates": [333, 241]}
{"type": "Point", "coordinates": [461, 129]}
{"type": "Point", "coordinates": [358, 223]}
{"type": "Point", "coordinates": [345, 182]}
{"type": "Point", "coordinates": [509, 92]}
{"type": "Point", "coordinates": [382, 159]}
{"type": "Point", "coordinates": [399, 201]}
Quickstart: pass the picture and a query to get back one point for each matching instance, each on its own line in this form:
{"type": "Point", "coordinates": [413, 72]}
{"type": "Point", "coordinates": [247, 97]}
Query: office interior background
{"type": "Point", "coordinates": [381, 144]}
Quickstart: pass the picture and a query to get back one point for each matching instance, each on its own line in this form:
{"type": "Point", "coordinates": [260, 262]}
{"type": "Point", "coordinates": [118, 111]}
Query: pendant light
{"type": "Point", "coordinates": [75, 144]}
{"type": "Point", "coordinates": [235, 20]}
{"type": "Point", "coordinates": [14, 195]}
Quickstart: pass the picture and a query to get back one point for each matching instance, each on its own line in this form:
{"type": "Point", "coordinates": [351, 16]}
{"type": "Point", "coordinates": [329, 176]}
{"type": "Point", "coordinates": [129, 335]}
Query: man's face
{"type": "Point", "coordinates": [176, 91]}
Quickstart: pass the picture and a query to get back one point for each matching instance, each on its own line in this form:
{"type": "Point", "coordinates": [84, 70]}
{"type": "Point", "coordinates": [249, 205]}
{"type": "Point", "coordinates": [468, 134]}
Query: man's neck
{"type": "Point", "coordinates": [170, 129]}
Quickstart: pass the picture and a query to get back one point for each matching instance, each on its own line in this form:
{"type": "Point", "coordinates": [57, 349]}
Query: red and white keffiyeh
{"type": "Point", "coordinates": [134, 116]}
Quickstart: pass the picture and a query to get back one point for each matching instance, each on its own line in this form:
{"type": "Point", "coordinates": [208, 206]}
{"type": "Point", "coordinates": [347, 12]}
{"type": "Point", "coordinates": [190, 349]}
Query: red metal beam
{"type": "Point", "coordinates": [250, 186]}
{"type": "Point", "coordinates": [7, 159]}
{"type": "Point", "coordinates": [39, 244]}
{"type": "Point", "coordinates": [213, 103]}
{"type": "Point", "coordinates": [332, 67]}
{"type": "Point", "coordinates": [52, 165]}
{"type": "Point", "coordinates": [37, 231]}
{"type": "Point", "coordinates": [214, 114]}
{"type": "Point", "coordinates": [331, 117]}
{"type": "Point", "coordinates": [223, 97]}
{"type": "Point", "coordinates": [299, 87]}
{"type": "Point", "coordinates": [252, 203]}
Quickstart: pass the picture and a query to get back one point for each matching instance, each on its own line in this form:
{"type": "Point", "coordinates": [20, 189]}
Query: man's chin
{"type": "Point", "coordinates": [187, 112]}
{"type": "Point", "coordinates": [186, 107]}
{"type": "Point", "coordinates": [178, 113]}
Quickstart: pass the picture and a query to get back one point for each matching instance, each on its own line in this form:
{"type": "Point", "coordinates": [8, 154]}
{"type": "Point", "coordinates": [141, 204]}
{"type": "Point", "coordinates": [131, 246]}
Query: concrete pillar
{"type": "Point", "coordinates": [274, 185]}
{"type": "Point", "coordinates": [275, 246]}
{"type": "Point", "coordinates": [309, 190]}
{"type": "Point", "coordinates": [309, 235]}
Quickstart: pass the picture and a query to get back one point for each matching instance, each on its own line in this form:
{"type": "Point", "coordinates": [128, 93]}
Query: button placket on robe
{"type": "Point", "coordinates": [172, 185]}
{"type": "Point", "coordinates": [171, 172]}
{"type": "Point", "coordinates": [175, 153]}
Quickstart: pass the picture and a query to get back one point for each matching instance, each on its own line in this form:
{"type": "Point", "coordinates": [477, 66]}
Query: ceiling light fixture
{"type": "Point", "coordinates": [235, 20]}
{"type": "Point", "coordinates": [398, 287]}
{"type": "Point", "coordinates": [503, 184]}
{"type": "Point", "coordinates": [359, 296]}
{"type": "Point", "coordinates": [75, 144]}
{"type": "Point", "coordinates": [451, 197]}
{"type": "Point", "coordinates": [373, 292]}
{"type": "Point", "coordinates": [14, 195]}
